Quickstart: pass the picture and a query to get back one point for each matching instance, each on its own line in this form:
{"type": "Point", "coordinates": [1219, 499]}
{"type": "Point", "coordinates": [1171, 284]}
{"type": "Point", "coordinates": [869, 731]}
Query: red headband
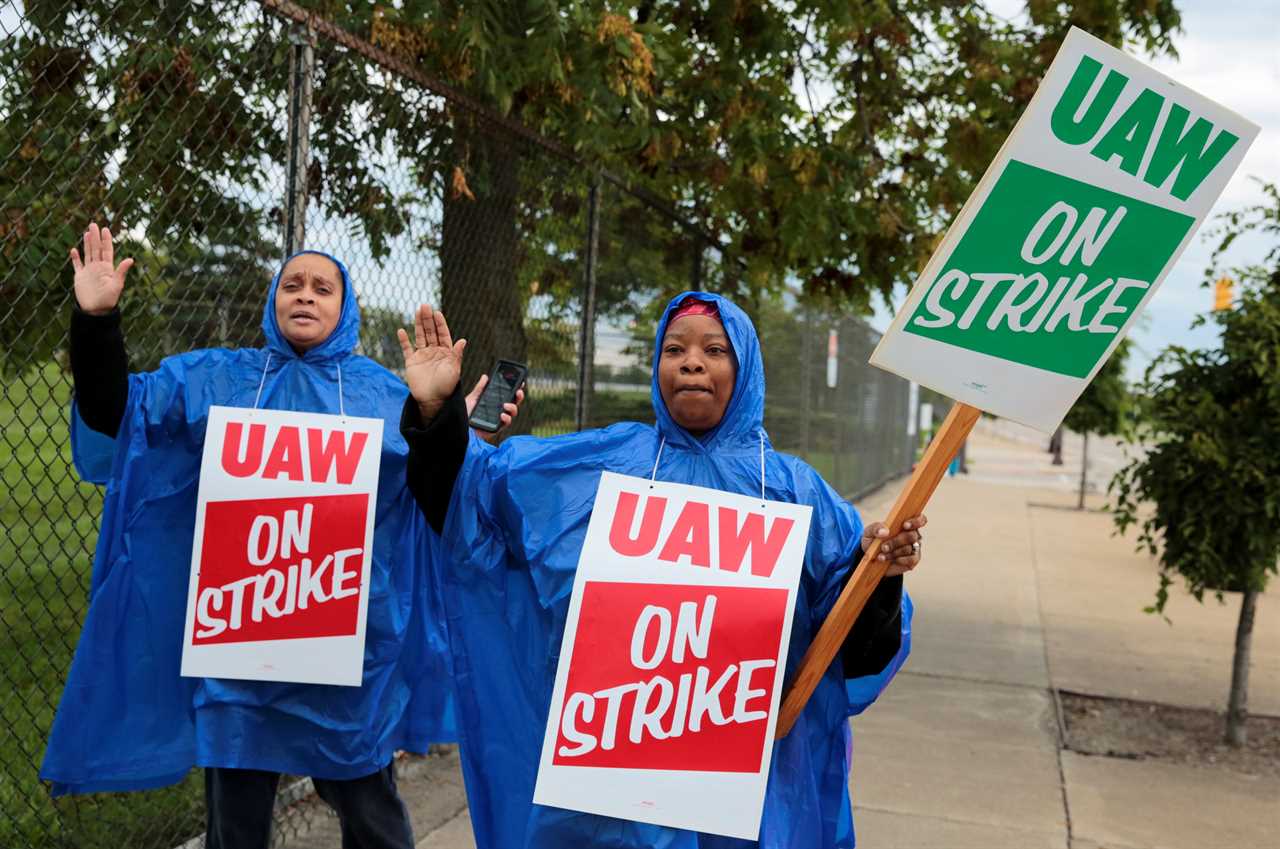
{"type": "Point", "coordinates": [693, 306]}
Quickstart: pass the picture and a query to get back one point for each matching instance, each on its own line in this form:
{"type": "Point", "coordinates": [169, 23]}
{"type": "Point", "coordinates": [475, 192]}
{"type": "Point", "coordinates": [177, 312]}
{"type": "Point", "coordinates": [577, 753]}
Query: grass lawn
{"type": "Point", "coordinates": [48, 528]}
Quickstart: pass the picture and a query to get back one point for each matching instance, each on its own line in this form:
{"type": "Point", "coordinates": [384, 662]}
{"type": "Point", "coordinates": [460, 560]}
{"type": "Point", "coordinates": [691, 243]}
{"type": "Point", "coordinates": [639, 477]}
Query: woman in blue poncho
{"type": "Point", "coordinates": [127, 721]}
{"type": "Point", "coordinates": [513, 522]}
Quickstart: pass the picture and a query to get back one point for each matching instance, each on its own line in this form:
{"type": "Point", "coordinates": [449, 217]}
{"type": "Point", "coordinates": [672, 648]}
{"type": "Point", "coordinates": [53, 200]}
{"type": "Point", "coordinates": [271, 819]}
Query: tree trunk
{"type": "Point", "coordinates": [1055, 446]}
{"type": "Point", "coordinates": [1084, 470]}
{"type": "Point", "coordinates": [1238, 704]}
{"type": "Point", "coordinates": [479, 259]}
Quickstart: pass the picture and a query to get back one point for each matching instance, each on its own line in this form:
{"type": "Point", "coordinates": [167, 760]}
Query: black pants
{"type": "Point", "coordinates": [240, 803]}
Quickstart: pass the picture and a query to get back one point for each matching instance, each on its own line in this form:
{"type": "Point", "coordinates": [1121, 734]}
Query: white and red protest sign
{"type": "Point", "coordinates": [674, 650]}
{"type": "Point", "coordinates": [283, 546]}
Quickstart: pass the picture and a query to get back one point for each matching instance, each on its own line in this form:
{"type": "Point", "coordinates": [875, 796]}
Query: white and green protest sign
{"type": "Point", "coordinates": [1089, 203]}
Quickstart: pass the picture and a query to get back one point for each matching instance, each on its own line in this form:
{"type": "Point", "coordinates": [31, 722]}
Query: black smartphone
{"type": "Point", "coordinates": [504, 379]}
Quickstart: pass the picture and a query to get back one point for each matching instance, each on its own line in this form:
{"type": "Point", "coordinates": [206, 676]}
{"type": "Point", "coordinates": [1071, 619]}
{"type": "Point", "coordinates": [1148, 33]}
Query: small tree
{"type": "Point", "coordinates": [1102, 408]}
{"type": "Point", "coordinates": [1212, 471]}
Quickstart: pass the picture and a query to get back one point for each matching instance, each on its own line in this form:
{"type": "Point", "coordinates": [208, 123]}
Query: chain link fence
{"type": "Point", "coordinates": [215, 138]}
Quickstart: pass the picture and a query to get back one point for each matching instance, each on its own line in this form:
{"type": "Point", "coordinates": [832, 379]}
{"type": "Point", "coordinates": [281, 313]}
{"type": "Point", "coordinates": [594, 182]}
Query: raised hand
{"type": "Point", "coordinates": [433, 363]}
{"type": "Point", "coordinates": [99, 281]}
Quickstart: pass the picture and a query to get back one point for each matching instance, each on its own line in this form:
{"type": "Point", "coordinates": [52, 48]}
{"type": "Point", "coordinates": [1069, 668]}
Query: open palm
{"type": "Point", "coordinates": [433, 363]}
{"type": "Point", "coordinates": [99, 281]}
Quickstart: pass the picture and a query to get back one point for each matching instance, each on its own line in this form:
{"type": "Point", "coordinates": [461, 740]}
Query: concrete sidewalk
{"type": "Point", "coordinates": [1018, 597]}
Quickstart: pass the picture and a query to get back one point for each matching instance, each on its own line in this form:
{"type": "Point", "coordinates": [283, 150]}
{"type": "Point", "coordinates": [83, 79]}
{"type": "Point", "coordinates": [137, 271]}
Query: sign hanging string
{"type": "Point", "coordinates": [663, 444]}
{"type": "Point", "coordinates": [342, 410]}
{"type": "Point", "coordinates": [263, 381]}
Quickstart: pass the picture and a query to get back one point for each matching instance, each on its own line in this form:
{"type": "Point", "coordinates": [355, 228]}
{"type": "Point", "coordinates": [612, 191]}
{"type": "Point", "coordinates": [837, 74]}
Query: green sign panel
{"type": "Point", "coordinates": [1054, 298]}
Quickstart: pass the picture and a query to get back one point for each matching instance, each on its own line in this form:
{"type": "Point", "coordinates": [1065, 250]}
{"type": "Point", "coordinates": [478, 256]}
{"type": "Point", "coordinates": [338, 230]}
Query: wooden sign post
{"type": "Point", "coordinates": [1093, 197]}
{"type": "Point", "coordinates": [929, 471]}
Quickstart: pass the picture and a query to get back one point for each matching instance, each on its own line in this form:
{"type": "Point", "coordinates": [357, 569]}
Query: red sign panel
{"type": "Point", "coordinates": [280, 568]}
{"type": "Point", "coordinates": [671, 676]}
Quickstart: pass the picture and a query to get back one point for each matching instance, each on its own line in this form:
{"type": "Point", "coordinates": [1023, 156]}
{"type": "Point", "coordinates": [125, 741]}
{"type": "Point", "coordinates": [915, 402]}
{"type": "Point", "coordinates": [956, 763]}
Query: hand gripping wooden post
{"type": "Point", "coordinates": [924, 480]}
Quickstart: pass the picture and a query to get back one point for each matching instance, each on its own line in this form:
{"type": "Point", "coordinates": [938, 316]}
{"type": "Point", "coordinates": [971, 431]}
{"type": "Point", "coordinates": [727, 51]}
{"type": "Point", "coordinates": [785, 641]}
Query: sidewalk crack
{"type": "Point", "coordinates": [459, 811]}
{"type": "Point", "coordinates": [1059, 717]}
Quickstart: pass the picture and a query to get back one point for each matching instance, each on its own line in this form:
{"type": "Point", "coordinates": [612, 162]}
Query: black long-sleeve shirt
{"type": "Point", "coordinates": [437, 449]}
{"type": "Point", "coordinates": [99, 369]}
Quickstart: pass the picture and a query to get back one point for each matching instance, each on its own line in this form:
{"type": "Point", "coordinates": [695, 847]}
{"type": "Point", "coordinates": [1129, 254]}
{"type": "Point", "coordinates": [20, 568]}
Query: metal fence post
{"type": "Point", "coordinates": [587, 328]}
{"type": "Point", "coordinates": [844, 411]}
{"type": "Point", "coordinates": [806, 380]}
{"type": "Point", "coordinates": [301, 79]}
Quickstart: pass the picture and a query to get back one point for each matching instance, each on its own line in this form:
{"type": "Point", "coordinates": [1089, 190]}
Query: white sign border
{"type": "Point", "coordinates": [726, 803]}
{"type": "Point", "coordinates": [307, 660]}
{"type": "Point", "coordinates": [1026, 394]}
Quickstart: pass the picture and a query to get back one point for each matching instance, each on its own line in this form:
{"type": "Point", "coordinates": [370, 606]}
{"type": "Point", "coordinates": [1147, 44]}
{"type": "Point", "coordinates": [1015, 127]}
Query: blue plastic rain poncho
{"type": "Point", "coordinates": [513, 534]}
{"type": "Point", "coordinates": [127, 721]}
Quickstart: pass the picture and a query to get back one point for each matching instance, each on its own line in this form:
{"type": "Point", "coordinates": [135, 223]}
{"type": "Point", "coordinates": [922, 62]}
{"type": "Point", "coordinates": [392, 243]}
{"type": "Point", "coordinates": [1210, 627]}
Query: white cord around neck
{"type": "Point", "coordinates": [262, 382]}
{"type": "Point", "coordinates": [663, 444]}
{"type": "Point", "coordinates": [657, 459]}
{"type": "Point", "coordinates": [762, 498]}
{"type": "Point", "coordinates": [341, 410]}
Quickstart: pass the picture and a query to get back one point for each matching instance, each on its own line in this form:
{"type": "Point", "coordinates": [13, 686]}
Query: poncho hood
{"type": "Point", "coordinates": [341, 342]}
{"type": "Point", "coordinates": [743, 421]}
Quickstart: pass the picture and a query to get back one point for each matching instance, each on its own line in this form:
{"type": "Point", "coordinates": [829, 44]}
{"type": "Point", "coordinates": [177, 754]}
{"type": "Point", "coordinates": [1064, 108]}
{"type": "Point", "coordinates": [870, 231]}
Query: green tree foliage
{"type": "Point", "coordinates": [165, 119]}
{"type": "Point", "coordinates": [1205, 498]}
{"type": "Point", "coordinates": [99, 121]}
{"type": "Point", "coordinates": [845, 187]}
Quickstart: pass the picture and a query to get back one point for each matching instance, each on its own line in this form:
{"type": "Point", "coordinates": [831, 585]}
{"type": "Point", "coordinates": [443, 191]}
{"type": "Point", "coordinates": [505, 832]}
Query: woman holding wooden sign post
{"type": "Point", "coordinates": [309, 568]}
{"type": "Point", "coordinates": [624, 604]}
